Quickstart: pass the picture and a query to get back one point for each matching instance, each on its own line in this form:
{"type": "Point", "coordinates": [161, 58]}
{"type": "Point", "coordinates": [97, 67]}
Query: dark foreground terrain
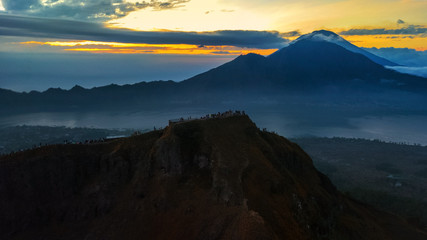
{"type": "Point", "coordinates": [218, 178]}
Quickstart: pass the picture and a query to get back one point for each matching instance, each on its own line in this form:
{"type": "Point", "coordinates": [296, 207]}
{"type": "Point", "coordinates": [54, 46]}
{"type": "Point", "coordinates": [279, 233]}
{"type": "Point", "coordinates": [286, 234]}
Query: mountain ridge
{"type": "Point", "coordinates": [304, 67]}
{"type": "Point", "coordinates": [218, 178]}
{"type": "Point", "coordinates": [304, 64]}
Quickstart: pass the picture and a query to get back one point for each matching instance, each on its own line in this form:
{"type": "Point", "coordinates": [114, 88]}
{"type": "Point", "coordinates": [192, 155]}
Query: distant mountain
{"type": "Point", "coordinates": [312, 63]}
{"type": "Point", "coordinates": [328, 36]}
{"type": "Point", "coordinates": [220, 178]}
{"type": "Point", "coordinates": [324, 61]}
{"type": "Point", "coordinates": [246, 72]}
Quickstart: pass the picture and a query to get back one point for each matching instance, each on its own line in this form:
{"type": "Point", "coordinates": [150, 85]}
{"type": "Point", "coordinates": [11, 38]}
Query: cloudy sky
{"type": "Point", "coordinates": [60, 43]}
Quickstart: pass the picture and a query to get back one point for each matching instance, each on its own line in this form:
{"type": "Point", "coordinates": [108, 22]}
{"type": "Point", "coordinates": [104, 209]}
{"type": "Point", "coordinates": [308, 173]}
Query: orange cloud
{"type": "Point", "coordinates": [137, 48]}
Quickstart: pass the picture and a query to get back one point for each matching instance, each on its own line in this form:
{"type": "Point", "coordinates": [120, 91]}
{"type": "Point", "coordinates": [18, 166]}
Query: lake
{"type": "Point", "coordinates": [289, 123]}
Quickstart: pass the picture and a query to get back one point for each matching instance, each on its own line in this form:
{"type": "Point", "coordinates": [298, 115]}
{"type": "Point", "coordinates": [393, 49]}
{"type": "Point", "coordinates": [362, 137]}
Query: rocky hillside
{"type": "Point", "coordinates": [218, 178]}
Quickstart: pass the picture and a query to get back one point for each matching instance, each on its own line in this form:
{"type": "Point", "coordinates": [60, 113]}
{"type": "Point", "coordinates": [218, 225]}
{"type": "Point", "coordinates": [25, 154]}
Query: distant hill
{"type": "Point", "coordinates": [220, 178]}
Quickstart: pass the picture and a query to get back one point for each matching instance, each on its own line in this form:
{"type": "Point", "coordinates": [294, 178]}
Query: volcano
{"type": "Point", "coordinates": [312, 64]}
{"type": "Point", "coordinates": [317, 60]}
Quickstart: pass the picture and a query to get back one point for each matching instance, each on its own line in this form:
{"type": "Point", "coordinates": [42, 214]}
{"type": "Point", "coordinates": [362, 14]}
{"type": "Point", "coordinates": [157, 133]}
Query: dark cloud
{"type": "Point", "coordinates": [20, 5]}
{"type": "Point", "coordinates": [400, 21]}
{"type": "Point", "coordinates": [221, 52]}
{"type": "Point", "coordinates": [400, 37]}
{"type": "Point", "coordinates": [409, 30]}
{"type": "Point", "coordinates": [291, 34]}
{"type": "Point", "coordinates": [77, 30]}
{"type": "Point", "coordinates": [85, 9]}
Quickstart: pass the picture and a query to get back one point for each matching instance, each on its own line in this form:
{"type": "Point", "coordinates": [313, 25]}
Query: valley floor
{"type": "Point", "coordinates": [389, 176]}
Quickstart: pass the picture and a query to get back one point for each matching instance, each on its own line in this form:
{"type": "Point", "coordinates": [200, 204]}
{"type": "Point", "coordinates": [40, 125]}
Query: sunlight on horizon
{"type": "Point", "coordinates": [142, 48]}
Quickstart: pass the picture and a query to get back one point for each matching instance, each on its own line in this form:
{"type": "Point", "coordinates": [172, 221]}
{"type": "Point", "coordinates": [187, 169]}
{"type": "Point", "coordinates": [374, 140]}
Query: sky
{"type": "Point", "coordinates": [61, 43]}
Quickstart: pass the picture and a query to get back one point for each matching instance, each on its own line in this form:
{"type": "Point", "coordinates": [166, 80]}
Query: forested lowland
{"type": "Point", "coordinates": [389, 176]}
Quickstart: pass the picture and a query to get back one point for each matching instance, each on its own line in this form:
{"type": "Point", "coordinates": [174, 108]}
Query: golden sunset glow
{"type": "Point", "coordinates": [197, 15]}
{"type": "Point", "coordinates": [306, 16]}
{"type": "Point", "coordinates": [284, 16]}
{"type": "Point", "coordinates": [383, 41]}
{"type": "Point", "coordinates": [368, 23]}
{"type": "Point", "coordinates": [134, 48]}
{"type": "Point", "coordinates": [176, 39]}
{"type": "Point", "coordinates": [110, 44]}
{"type": "Point", "coordinates": [311, 15]}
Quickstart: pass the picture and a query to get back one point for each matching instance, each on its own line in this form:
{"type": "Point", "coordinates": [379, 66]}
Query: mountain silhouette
{"type": "Point", "coordinates": [314, 62]}
{"type": "Point", "coordinates": [328, 36]}
{"type": "Point", "coordinates": [310, 62]}
{"type": "Point", "coordinates": [217, 178]}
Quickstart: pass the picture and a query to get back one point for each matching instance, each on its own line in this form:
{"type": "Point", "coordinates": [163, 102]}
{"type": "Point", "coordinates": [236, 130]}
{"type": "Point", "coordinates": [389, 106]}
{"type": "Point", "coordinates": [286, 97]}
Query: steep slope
{"type": "Point", "coordinates": [218, 178]}
{"type": "Point", "coordinates": [322, 63]}
{"type": "Point", "coordinates": [242, 72]}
